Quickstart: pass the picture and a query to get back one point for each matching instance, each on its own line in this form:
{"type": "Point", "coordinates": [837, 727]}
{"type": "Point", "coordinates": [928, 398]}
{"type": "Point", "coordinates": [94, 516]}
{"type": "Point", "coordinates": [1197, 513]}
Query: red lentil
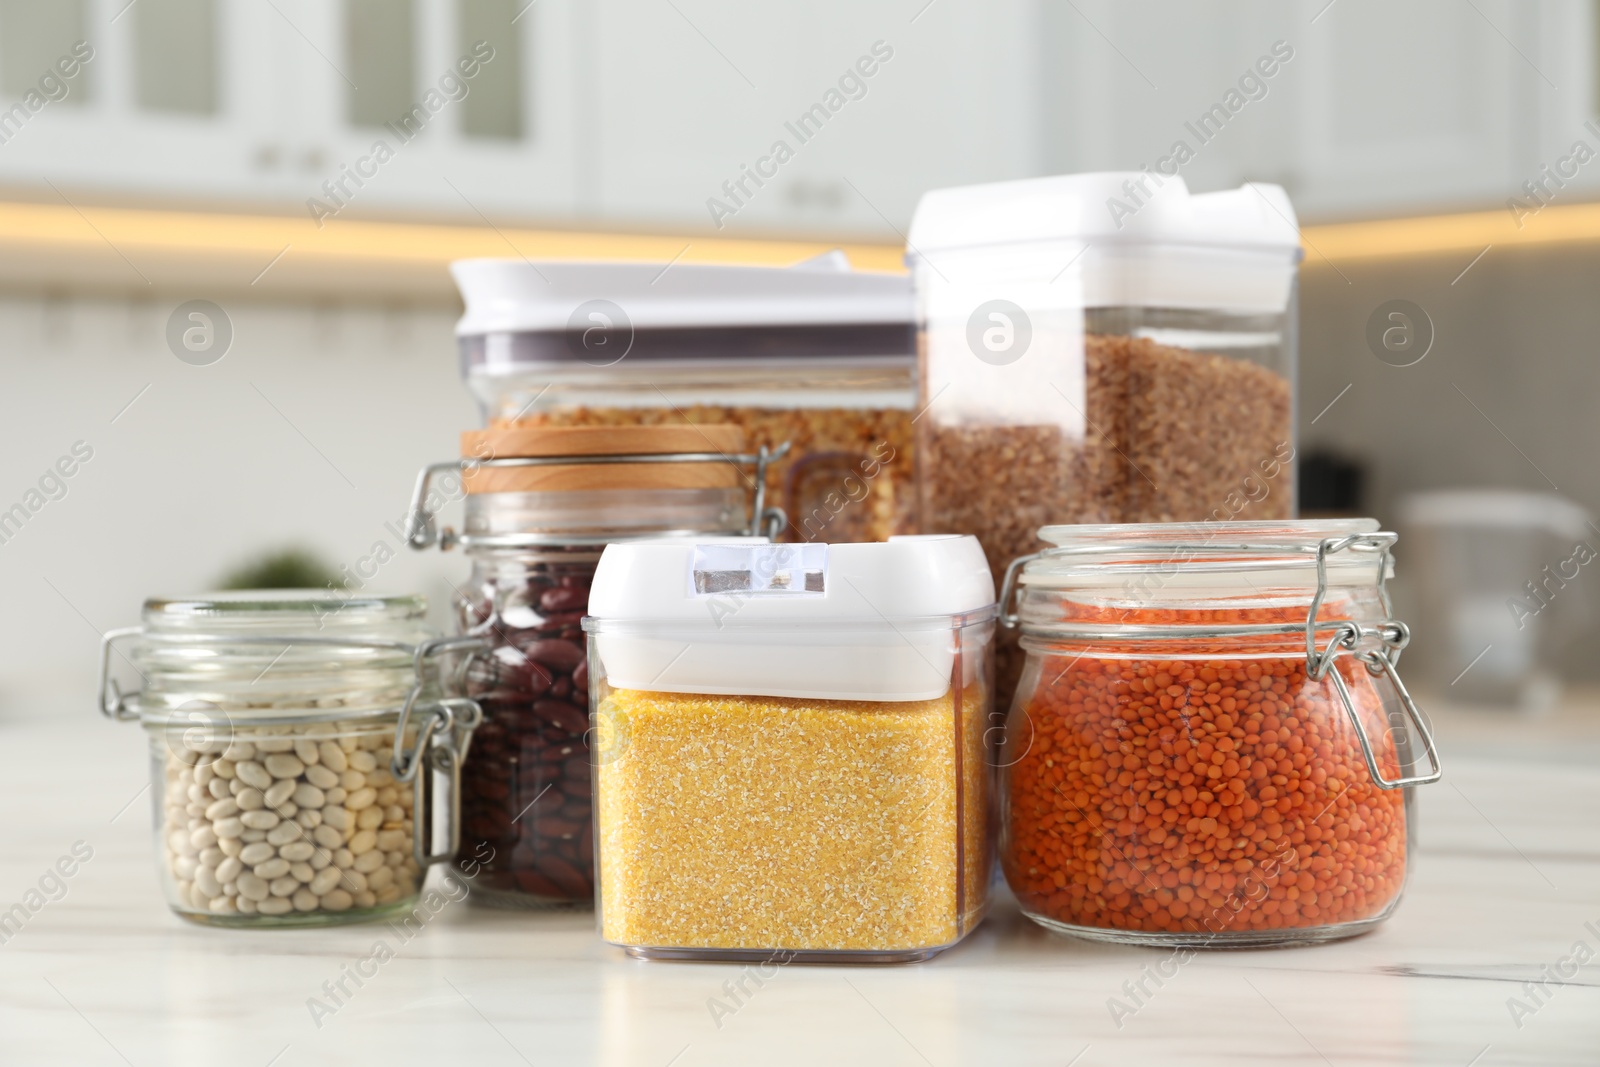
{"type": "Point", "coordinates": [1198, 795]}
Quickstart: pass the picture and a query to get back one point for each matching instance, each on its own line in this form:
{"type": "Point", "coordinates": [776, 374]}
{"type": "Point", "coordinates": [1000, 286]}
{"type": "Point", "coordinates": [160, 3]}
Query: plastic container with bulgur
{"type": "Point", "coordinates": [789, 748]}
{"type": "Point", "coordinates": [1102, 348]}
{"type": "Point", "coordinates": [815, 355]}
{"type": "Point", "coordinates": [1210, 745]}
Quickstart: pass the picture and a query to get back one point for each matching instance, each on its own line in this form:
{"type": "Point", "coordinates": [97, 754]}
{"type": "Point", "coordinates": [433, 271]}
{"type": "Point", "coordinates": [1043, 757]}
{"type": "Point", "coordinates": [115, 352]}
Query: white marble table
{"type": "Point", "coordinates": [1509, 874]}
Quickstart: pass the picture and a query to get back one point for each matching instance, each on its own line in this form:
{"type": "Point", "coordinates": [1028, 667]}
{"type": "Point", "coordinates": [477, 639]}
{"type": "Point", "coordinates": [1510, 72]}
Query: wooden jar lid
{"type": "Point", "coordinates": [518, 441]}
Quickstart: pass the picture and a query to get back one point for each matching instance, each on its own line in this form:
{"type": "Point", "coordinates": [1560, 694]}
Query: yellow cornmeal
{"type": "Point", "coordinates": [760, 822]}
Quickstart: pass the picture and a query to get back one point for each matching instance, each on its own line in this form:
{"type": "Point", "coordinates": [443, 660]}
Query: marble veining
{"type": "Point", "coordinates": [1505, 887]}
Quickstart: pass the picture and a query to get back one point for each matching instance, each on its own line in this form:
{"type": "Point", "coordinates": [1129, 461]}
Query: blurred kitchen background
{"type": "Point", "coordinates": [202, 150]}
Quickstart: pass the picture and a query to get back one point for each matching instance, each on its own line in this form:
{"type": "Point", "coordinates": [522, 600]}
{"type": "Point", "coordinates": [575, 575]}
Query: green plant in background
{"type": "Point", "coordinates": [289, 568]}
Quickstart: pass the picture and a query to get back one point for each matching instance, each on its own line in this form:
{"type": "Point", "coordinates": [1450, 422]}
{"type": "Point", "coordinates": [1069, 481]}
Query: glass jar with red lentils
{"type": "Point", "coordinates": [1210, 744]}
{"type": "Point", "coordinates": [541, 504]}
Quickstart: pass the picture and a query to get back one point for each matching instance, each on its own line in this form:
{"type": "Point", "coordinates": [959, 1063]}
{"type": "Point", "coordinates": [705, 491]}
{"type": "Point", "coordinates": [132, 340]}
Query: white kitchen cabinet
{"type": "Point", "coordinates": [1383, 108]}
{"type": "Point", "coordinates": [694, 93]}
{"type": "Point", "coordinates": [280, 120]}
{"type": "Point", "coordinates": [1420, 105]}
{"type": "Point", "coordinates": [634, 113]}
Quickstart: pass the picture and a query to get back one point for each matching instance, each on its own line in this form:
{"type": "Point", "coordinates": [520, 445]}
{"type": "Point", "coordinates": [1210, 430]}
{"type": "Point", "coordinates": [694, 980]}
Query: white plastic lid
{"type": "Point", "coordinates": [1108, 207]}
{"type": "Point", "coordinates": [514, 295]}
{"type": "Point", "coordinates": [1510, 509]}
{"type": "Point", "coordinates": [873, 621]}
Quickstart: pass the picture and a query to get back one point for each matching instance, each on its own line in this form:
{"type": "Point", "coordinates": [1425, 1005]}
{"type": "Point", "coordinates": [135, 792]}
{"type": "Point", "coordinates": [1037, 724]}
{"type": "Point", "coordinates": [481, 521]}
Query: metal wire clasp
{"type": "Point", "coordinates": [443, 734]}
{"type": "Point", "coordinates": [1381, 662]}
{"type": "Point", "coordinates": [422, 532]}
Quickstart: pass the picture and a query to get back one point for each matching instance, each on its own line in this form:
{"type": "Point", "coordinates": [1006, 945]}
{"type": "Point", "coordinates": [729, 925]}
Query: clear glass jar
{"type": "Point", "coordinates": [816, 356]}
{"type": "Point", "coordinates": [534, 536]}
{"type": "Point", "coordinates": [1082, 363]}
{"type": "Point", "coordinates": [284, 735]}
{"type": "Point", "coordinates": [789, 748]}
{"type": "Point", "coordinates": [1190, 760]}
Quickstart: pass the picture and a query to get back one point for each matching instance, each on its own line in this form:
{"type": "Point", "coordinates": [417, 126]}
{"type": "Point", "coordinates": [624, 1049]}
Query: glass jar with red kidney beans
{"type": "Point", "coordinates": [541, 504]}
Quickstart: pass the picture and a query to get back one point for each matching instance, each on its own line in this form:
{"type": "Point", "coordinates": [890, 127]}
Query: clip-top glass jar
{"type": "Point", "coordinates": [1210, 744]}
{"type": "Point", "coordinates": [541, 505]}
{"type": "Point", "coordinates": [296, 737]}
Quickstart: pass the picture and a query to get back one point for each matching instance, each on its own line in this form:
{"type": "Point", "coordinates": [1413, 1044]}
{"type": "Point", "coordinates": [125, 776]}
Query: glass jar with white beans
{"type": "Point", "coordinates": [305, 757]}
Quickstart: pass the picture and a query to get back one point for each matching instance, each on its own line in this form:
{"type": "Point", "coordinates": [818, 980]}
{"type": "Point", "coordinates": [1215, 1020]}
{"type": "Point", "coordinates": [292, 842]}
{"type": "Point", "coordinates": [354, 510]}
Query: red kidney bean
{"type": "Point", "coordinates": [556, 654]}
{"type": "Point", "coordinates": [526, 781]}
{"type": "Point", "coordinates": [563, 598]}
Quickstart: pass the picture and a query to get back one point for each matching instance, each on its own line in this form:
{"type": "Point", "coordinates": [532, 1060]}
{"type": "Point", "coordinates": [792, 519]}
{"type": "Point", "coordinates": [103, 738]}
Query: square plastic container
{"type": "Point", "coordinates": [815, 356]}
{"type": "Point", "coordinates": [789, 748]}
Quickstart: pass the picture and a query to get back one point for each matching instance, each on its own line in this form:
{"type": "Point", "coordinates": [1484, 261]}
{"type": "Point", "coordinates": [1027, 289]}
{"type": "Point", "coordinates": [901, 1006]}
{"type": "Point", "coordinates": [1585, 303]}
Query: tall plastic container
{"type": "Point", "coordinates": [1102, 348]}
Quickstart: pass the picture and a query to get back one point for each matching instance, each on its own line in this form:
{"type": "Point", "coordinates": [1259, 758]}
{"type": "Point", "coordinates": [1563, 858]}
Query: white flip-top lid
{"type": "Point", "coordinates": [874, 621]}
{"type": "Point", "coordinates": [1100, 208]}
{"type": "Point", "coordinates": [514, 295]}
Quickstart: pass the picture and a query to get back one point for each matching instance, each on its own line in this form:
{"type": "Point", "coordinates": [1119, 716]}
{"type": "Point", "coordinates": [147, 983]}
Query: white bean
{"type": "Point", "coordinates": [333, 756]}
{"type": "Point", "coordinates": [250, 798]}
{"type": "Point", "coordinates": [362, 798]}
{"type": "Point", "coordinates": [253, 886]}
{"type": "Point", "coordinates": [327, 836]}
{"type": "Point", "coordinates": [390, 840]}
{"type": "Point", "coordinates": [302, 872]}
{"type": "Point", "coordinates": [259, 852]}
{"type": "Point", "coordinates": [324, 880]}
{"type": "Point", "coordinates": [284, 886]}
{"type": "Point", "coordinates": [222, 808]}
{"type": "Point", "coordinates": [239, 751]}
{"type": "Point", "coordinates": [322, 777]}
{"type": "Point", "coordinates": [297, 851]}
{"type": "Point", "coordinates": [275, 906]}
{"type": "Point", "coordinates": [305, 751]}
{"type": "Point", "coordinates": [304, 900]}
{"type": "Point", "coordinates": [260, 820]}
{"type": "Point", "coordinates": [337, 900]}
{"type": "Point", "coordinates": [253, 773]}
{"type": "Point", "coordinates": [279, 792]}
{"type": "Point", "coordinates": [309, 796]}
{"type": "Point", "coordinates": [229, 869]}
{"type": "Point", "coordinates": [284, 765]}
{"type": "Point", "coordinates": [276, 867]}
{"type": "Point", "coordinates": [284, 833]}
{"type": "Point", "coordinates": [205, 880]}
{"type": "Point", "coordinates": [367, 862]}
{"type": "Point", "coordinates": [363, 842]}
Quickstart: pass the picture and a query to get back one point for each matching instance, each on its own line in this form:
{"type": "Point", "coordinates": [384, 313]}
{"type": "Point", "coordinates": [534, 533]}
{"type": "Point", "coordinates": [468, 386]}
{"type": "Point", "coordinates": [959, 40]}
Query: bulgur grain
{"type": "Point", "coordinates": [826, 445]}
{"type": "Point", "coordinates": [1171, 435]}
